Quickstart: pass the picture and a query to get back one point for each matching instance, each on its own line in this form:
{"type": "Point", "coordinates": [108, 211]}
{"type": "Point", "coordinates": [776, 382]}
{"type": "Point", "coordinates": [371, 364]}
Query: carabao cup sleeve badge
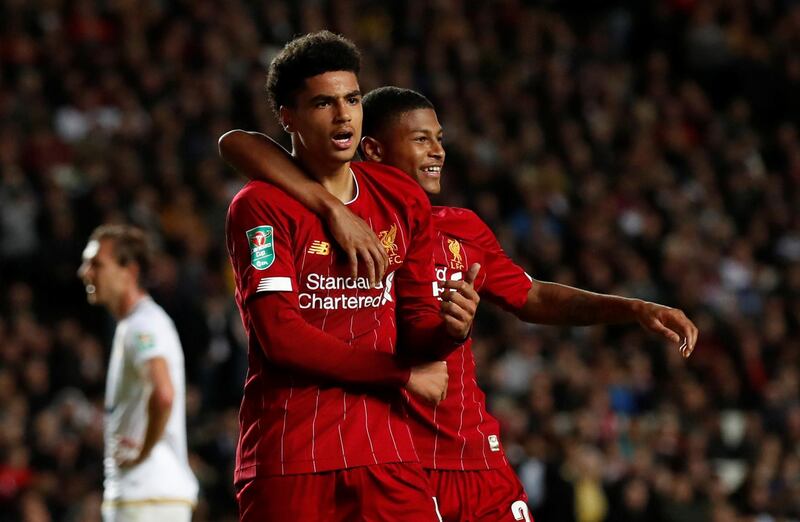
{"type": "Point", "coordinates": [262, 247]}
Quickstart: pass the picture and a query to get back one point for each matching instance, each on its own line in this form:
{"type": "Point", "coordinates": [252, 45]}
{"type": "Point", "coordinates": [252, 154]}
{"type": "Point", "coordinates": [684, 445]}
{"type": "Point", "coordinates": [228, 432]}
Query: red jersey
{"type": "Point", "coordinates": [459, 434]}
{"type": "Point", "coordinates": [303, 410]}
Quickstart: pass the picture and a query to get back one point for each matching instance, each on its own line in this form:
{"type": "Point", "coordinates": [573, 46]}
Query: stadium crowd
{"type": "Point", "coordinates": [650, 149]}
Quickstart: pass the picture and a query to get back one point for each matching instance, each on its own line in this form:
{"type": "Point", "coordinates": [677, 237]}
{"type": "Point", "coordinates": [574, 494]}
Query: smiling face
{"type": "Point", "coordinates": [411, 142]}
{"type": "Point", "coordinates": [325, 120]}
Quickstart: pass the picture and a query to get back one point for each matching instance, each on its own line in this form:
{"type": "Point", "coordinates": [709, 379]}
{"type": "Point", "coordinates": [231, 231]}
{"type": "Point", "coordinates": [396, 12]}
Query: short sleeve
{"type": "Point", "coordinates": [143, 343]}
{"type": "Point", "coordinates": [506, 283]}
{"type": "Point", "coordinates": [259, 245]}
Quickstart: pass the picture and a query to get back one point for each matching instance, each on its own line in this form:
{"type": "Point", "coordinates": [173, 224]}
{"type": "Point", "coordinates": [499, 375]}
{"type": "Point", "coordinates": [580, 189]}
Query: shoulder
{"type": "Point", "coordinates": [150, 325]}
{"type": "Point", "coordinates": [150, 315]}
{"type": "Point", "coordinates": [382, 172]}
{"type": "Point", "coordinates": [455, 214]}
{"type": "Point", "coordinates": [392, 180]}
{"type": "Point", "coordinates": [461, 223]}
{"type": "Point", "coordinates": [262, 197]}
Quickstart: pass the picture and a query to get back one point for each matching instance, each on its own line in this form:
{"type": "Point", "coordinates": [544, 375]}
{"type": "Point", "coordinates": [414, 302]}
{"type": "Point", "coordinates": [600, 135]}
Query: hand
{"type": "Point", "coordinates": [459, 304]}
{"type": "Point", "coordinates": [126, 463]}
{"type": "Point", "coordinates": [358, 241]}
{"type": "Point", "coordinates": [429, 381]}
{"type": "Point", "coordinates": [128, 454]}
{"type": "Point", "coordinates": [669, 323]}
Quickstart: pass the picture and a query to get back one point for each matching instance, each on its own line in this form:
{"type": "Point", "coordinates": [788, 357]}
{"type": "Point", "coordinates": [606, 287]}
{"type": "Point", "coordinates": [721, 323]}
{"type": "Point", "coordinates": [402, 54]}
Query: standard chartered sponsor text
{"type": "Point", "coordinates": [315, 300]}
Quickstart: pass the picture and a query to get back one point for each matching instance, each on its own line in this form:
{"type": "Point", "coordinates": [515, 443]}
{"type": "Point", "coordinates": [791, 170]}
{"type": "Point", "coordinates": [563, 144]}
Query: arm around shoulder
{"type": "Point", "coordinates": [259, 157]}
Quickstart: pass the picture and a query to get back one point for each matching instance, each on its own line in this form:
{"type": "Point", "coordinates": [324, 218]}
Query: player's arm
{"type": "Point", "coordinates": [426, 327]}
{"type": "Point", "coordinates": [552, 303]}
{"type": "Point", "coordinates": [289, 341]}
{"type": "Point", "coordinates": [286, 338]}
{"type": "Point", "coordinates": [257, 156]}
{"type": "Point", "coordinates": [159, 407]}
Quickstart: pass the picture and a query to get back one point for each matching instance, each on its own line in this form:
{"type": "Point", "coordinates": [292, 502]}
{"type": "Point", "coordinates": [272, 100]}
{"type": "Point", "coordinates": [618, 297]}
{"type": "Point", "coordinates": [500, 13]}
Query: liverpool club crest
{"type": "Point", "coordinates": [456, 263]}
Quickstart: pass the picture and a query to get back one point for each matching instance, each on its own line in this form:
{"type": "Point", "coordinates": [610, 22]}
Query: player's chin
{"type": "Point", "coordinates": [343, 155]}
{"type": "Point", "coordinates": [431, 186]}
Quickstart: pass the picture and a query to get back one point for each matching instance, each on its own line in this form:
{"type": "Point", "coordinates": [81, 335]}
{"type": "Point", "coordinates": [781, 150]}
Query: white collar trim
{"type": "Point", "coordinates": [355, 180]}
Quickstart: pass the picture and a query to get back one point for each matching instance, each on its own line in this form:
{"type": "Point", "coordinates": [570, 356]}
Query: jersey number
{"type": "Point", "coordinates": [520, 511]}
{"type": "Point", "coordinates": [436, 507]}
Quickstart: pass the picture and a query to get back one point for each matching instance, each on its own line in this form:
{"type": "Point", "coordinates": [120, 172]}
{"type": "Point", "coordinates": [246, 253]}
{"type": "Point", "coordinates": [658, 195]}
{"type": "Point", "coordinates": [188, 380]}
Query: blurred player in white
{"type": "Point", "coordinates": [147, 474]}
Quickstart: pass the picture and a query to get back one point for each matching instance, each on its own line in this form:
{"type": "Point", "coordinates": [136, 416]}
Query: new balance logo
{"type": "Point", "coordinates": [321, 248]}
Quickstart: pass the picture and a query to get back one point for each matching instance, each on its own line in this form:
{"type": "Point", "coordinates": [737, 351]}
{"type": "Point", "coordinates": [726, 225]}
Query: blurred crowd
{"type": "Point", "coordinates": [649, 149]}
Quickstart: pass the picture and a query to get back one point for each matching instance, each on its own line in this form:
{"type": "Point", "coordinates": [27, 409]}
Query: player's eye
{"type": "Point", "coordinates": [322, 104]}
{"type": "Point", "coordinates": [421, 139]}
{"type": "Point", "coordinates": [354, 100]}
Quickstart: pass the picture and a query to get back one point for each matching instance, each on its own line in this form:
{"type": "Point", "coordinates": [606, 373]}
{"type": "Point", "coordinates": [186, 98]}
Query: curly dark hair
{"type": "Point", "coordinates": [307, 56]}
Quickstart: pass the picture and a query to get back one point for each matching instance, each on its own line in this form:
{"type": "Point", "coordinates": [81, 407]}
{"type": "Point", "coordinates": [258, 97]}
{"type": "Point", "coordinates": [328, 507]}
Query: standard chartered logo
{"type": "Point", "coordinates": [320, 285]}
{"type": "Point", "coordinates": [441, 277]}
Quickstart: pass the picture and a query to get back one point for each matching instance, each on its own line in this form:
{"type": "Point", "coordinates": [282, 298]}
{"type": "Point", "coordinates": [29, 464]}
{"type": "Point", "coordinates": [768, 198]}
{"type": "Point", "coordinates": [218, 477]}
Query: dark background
{"type": "Point", "coordinates": [648, 149]}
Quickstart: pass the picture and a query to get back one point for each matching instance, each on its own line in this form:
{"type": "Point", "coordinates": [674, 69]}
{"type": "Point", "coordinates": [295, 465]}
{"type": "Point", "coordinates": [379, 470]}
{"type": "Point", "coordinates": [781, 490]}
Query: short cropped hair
{"type": "Point", "coordinates": [131, 245]}
{"type": "Point", "coordinates": [384, 104]}
{"type": "Point", "coordinates": [304, 57]}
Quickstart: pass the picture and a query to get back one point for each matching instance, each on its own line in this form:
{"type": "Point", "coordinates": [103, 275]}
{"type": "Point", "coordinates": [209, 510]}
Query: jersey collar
{"type": "Point", "coordinates": [355, 180]}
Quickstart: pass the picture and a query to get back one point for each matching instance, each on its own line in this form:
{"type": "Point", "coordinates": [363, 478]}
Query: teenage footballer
{"type": "Point", "coordinates": [323, 431]}
{"type": "Point", "coordinates": [457, 439]}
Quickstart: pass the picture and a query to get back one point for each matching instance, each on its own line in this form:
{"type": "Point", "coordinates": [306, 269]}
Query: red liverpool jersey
{"type": "Point", "coordinates": [459, 433]}
{"type": "Point", "coordinates": [291, 419]}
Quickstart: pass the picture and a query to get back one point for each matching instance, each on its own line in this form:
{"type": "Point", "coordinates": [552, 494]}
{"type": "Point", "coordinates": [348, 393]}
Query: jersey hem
{"type": "Point", "coordinates": [122, 502]}
{"type": "Point", "coordinates": [305, 467]}
{"type": "Point", "coordinates": [459, 464]}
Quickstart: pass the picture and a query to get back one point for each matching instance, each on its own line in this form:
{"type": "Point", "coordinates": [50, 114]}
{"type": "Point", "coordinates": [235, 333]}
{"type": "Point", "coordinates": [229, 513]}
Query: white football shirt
{"type": "Point", "coordinates": [146, 332]}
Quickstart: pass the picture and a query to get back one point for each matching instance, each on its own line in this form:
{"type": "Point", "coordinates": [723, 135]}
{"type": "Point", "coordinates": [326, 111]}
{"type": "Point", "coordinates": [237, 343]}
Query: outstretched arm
{"type": "Point", "coordinates": [507, 284]}
{"type": "Point", "coordinates": [257, 156]}
{"type": "Point", "coordinates": [552, 303]}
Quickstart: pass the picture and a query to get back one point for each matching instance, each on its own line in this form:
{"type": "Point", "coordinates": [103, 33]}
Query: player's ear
{"type": "Point", "coordinates": [372, 148]}
{"type": "Point", "coordinates": [286, 119]}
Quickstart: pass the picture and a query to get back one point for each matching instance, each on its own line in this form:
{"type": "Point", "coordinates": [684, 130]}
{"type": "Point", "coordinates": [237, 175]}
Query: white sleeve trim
{"type": "Point", "coordinates": [275, 284]}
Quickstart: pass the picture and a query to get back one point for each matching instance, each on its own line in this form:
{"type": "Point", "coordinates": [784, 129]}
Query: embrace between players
{"type": "Point", "coordinates": [349, 412]}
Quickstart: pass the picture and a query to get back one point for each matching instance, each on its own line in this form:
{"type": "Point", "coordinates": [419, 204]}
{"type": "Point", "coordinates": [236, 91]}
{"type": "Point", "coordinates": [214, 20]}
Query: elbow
{"type": "Point", "coordinates": [162, 399]}
{"type": "Point", "coordinates": [275, 351]}
{"type": "Point", "coordinates": [227, 140]}
{"type": "Point", "coordinates": [271, 319]}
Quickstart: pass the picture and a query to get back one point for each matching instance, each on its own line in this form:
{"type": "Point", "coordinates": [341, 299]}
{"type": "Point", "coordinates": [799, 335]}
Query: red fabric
{"type": "Point", "coordinates": [13, 480]}
{"type": "Point", "coordinates": [297, 416]}
{"type": "Point", "coordinates": [278, 312]}
{"type": "Point", "coordinates": [368, 493]}
{"type": "Point", "coordinates": [480, 496]}
{"type": "Point", "coordinates": [459, 433]}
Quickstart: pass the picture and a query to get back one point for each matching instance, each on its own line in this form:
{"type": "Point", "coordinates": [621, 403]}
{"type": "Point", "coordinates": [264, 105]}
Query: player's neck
{"type": "Point", "coordinates": [436, 199]}
{"type": "Point", "coordinates": [127, 302]}
{"type": "Point", "coordinates": [341, 184]}
{"type": "Point", "coordinates": [336, 178]}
